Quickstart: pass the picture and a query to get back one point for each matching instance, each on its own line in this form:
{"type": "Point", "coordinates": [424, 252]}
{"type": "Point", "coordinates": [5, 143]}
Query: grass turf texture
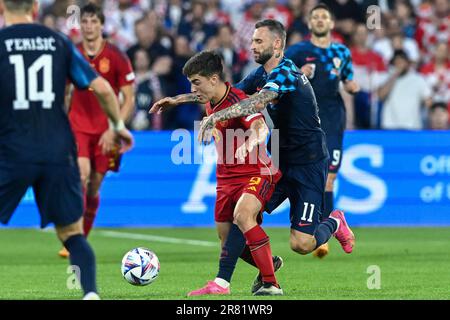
{"type": "Point", "coordinates": [414, 264]}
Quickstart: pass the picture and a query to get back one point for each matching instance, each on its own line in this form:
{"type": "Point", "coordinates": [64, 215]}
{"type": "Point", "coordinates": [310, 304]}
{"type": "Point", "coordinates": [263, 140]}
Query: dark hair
{"type": "Point", "coordinates": [205, 63]}
{"type": "Point", "coordinates": [322, 6]}
{"type": "Point", "coordinates": [19, 5]}
{"type": "Point", "coordinates": [93, 10]}
{"type": "Point", "coordinates": [438, 105]}
{"type": "Point", "coordinates": [399, 53]}
{"type": "Point", "coordinates": [274, 27]}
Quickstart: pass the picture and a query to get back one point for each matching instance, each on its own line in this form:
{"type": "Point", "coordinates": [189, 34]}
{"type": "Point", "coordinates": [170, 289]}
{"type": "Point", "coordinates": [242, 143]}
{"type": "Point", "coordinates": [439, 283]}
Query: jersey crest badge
{"type": "Point", "coordinates": [104, 65]}
{"type": "Point", "coordinates": [337, 62]}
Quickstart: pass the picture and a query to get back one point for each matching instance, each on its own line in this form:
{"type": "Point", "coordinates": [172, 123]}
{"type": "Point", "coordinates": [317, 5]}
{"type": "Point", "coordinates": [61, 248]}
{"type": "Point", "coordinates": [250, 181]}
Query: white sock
{"type": "Point", "coordinates": [221, 282]}
{"type": "Point", "coordinates": [338, 222]}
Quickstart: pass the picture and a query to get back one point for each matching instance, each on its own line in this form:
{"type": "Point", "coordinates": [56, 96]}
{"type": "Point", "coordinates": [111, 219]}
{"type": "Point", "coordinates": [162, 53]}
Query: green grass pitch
{"type": "Point", "coordinates": [413, 264]}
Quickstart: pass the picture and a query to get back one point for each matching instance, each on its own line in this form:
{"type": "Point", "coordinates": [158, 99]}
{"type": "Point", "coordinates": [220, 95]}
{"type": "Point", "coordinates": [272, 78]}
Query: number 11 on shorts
{"type": "Point", "coordinates": [305, 211]}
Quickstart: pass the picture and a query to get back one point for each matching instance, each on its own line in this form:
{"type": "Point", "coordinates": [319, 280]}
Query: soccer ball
{"type": "Point", "coordinates": [140, 266]}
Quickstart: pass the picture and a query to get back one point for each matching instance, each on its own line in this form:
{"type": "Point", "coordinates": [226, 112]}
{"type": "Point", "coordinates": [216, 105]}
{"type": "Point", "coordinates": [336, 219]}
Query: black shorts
{"type": "Point", "coordinates": [334, 145]}
{"type": "Point", "coordinates": [304, 186]}
{"type": "Point", "coordinates": [57, 190]}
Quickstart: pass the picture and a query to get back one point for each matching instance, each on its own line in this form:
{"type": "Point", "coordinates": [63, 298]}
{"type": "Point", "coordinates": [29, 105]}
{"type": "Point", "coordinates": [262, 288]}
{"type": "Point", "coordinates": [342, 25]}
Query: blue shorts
{"type": "Point", "coordinates": [304, 186]}
{"type": "Point", "coordinates": [57, 190]}
{"type": "Point", "coordinates": [334, 145]}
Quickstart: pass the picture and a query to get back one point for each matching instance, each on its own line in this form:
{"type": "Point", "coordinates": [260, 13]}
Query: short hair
{"type": "Point", "coordinates": [438, 105]}
{"type": "Point", "coordinates": [322, 6]}
{"type": "Point", "coordinates": [19, 5]}
{"type": "Point", "coordinates": [204, 63]}
{"type": "Point", "coordinates": [275, 27]}
{"type": "Point", "coordinates": [93, 10]}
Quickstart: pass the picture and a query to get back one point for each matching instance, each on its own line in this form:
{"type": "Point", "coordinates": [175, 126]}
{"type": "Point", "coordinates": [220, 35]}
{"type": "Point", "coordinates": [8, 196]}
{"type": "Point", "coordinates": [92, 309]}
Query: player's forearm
{"type": "Point", "coordinates": [127, 108]}
{"type": "Point", "coordinates": [186, 98]}
{"type": "Point", "coordinates": [246, 107]}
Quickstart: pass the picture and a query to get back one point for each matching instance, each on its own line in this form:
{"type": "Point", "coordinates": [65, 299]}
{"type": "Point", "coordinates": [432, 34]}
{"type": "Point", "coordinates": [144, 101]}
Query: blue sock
{"type": "Point", "coordinates": [328, 204]}
{"type": "Point", "coordinates": [324, 231]}
{"type": "Point", "coordinates": [81, 255]}
{"type": "Point", "coordinates": [231, 251]}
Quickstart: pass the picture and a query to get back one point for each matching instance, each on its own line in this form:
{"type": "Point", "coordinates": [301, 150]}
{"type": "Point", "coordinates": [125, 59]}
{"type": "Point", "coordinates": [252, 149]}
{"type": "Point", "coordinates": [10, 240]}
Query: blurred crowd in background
{"type": "Point", "coordinates": [400, 57]}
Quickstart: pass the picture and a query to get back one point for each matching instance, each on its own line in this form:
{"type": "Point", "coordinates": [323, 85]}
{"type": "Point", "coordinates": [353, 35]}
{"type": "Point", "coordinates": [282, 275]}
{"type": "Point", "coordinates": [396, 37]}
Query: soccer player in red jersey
{"type": "Point", "coordinates": [88, 122]}
{"type": "Point", "coordinates": [246, 177]}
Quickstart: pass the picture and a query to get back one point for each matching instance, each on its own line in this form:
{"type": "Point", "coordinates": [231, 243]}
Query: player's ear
{"type": "Point", "coordinates": [332, 24]}
{"type": "Point", "coordinates": [214, 79]}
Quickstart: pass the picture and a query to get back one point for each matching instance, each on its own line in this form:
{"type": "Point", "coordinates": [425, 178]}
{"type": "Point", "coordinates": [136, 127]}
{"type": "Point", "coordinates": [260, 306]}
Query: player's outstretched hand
{"type": "Point", "coordinates": [162, 105]}
{"type": "Point", "coordinates": [206, 129]}
{"type": "Point", "coordinates": [351, 86]}
{"type": "Point", "coordinates": [126, 140]}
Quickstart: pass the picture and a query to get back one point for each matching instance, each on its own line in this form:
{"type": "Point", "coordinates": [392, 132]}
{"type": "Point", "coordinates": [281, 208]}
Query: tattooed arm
{"type": "Point", "coordinates": [245, 107]}
{"type": "Point", "coordinates": [168, 102]}
{"type": "Point", "coordinates": [253, 104]}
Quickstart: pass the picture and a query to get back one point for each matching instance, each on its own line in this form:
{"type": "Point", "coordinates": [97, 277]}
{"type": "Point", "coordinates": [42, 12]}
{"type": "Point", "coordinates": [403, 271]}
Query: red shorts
{"type": "Point", "coordinates": [88, 148]}
{"type": "Point", "coordinates": [228, 194]}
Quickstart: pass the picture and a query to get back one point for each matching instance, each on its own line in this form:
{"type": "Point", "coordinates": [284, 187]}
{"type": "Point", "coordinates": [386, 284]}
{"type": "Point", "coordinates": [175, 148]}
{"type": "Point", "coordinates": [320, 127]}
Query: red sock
{"type": "Point", "coordinates": [89, 214]}
{"type": "Point", "coordinates": [259, 245]}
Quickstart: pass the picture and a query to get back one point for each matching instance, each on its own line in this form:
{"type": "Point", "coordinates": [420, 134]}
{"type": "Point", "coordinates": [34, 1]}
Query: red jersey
{"type": "Point", "coordinates": [86, 115]}
{"type": "Point", "coordinates": [228, 166]}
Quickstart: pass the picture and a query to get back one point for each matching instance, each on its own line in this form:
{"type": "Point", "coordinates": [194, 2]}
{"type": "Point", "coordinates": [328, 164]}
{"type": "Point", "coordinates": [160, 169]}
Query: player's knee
{"type": "Point", "coordinates": [243, 217]}
{"type": "Point", "coordinates": [66, 232]}
{"type": "Point", "coordinates": [301, 246]}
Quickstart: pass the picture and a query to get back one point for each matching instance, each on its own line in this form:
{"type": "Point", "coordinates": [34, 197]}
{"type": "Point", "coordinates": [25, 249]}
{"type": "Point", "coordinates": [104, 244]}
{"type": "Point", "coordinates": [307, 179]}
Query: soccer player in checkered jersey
{"type": "Point", "coordinates": [303, 155]}
{"type": "Point", "coordinates": [88, 122]}
{"type": "Point", "coordinates": [326, 64]}
{"type": "Point", "coordinates": [37, 145]}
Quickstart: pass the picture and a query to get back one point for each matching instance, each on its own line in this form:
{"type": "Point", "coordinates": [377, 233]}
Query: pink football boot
{"type": "Point", "coordinates": [343, 234]}
{"type": "Point", "coordinates": [210, 288]}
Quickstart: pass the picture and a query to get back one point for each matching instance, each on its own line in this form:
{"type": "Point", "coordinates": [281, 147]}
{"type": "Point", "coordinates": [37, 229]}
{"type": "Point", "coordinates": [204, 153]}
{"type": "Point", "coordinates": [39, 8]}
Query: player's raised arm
{"type": "Point", "coordinates": [168, 102]}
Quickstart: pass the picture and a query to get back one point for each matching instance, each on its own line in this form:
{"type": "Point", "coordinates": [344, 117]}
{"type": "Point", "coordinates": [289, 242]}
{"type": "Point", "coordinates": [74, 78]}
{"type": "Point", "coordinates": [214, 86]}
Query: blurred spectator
{"type": "Point", "coordinates": [120, 21]}
{"type": "Point", "coordinates": [403, 95]}
{"type": "Point", "coordinates": [275, 10]}
{"type": "Point", "coordinates": [147, 39]}
{"type": "Point", "coordinates": [231, 58]}
{"type": "Point", "coordinates": [173, 14]}
{"type": "Point", "coordinates": [214, 13]}
{"type": "Point", "coordinates": [391, 38]}
{"type": "Point", "coordinates": [347, 13]}
{"type": "Point", "coordinates": [184, 115]}
{"type": "Point", "coordinates": [148, 90]}
{"type": "Point", "coordinates": [438, 117]}
{"type": "Point", "coordinates": [369, 70]}
{"type": "Point", "coordinates": [404, 12]}
{"type": "Point", "coordinates": [299, 24]}
{"type": "Point", "coordinates": [253, 13]}
{"type": "Point", "coordinates": [433, 27]}
{"type": "Point", "coordinates": [437, 74]}
{"type": "Point", "coordinates": [194, 27]}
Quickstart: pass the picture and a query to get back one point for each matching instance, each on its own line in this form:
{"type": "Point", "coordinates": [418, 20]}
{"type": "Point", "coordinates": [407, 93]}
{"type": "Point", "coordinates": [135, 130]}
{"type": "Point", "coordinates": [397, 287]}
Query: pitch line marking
{"type": "Point", "coordinates": [139, 236]}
